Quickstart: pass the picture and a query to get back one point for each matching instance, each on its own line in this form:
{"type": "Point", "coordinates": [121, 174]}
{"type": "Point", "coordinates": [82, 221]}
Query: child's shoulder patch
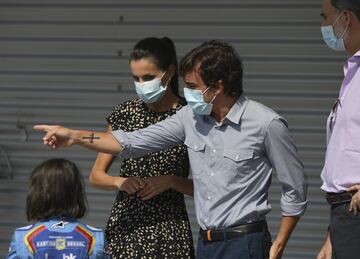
{"type": "Point", "coordinates": [93, 228]}
{"type": "Point", "coordinates": [25, 228]}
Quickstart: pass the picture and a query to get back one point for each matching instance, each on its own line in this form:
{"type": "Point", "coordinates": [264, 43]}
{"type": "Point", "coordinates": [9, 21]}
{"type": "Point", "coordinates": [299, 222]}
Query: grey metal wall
{"type": "Point", "coordinates": [66, 62]}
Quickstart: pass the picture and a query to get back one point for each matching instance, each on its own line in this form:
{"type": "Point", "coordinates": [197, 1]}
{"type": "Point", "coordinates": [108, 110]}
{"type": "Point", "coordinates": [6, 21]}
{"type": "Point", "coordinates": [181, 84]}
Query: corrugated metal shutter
{"type": "Point", "coordinates": [66, 62]}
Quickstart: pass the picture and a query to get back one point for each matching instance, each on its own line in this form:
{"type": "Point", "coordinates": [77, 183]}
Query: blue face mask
{"type": "Point", "coordinates": [330, 38]}
{"type": "Point", "coordinates": [150, 91]}
{"type": "Point", "coordinates": [195, 98]}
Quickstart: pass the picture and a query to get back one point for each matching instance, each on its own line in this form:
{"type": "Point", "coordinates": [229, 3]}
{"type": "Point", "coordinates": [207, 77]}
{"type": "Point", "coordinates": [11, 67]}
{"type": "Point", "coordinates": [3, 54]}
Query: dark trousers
{"type": "Point", "coordinates": [248, 246]}
{"type": "Point", "coordinates": [344, 232]}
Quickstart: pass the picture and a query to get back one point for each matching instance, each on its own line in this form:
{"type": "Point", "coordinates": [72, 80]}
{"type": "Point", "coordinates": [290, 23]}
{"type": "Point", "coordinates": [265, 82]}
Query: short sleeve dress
{"type": "Point", "coordinates": [157, 228]}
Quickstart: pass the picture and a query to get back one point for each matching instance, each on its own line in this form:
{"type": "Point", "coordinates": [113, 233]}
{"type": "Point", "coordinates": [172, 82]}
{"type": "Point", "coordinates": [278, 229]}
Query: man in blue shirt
{"type": "Point", "coordinates": [234, 146]}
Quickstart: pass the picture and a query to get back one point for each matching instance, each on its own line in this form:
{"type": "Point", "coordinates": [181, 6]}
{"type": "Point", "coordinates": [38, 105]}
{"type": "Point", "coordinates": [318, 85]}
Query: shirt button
{"type": "Point", "coordinates": [195, 147]}
{"type": "Point", "coordinates": [211, 174]}
{"type": "Point", "coordinates": [205, 220]}
{"type": "Point", "coordinates": [237, 157]}
{"type": "Point", "coordinates": [209, 197]}
{"type": "Point", "coordinates": [214, 151]}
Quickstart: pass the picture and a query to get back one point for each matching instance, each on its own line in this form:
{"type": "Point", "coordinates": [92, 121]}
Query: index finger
{"type": "Point", "coordinates": [45, 128]}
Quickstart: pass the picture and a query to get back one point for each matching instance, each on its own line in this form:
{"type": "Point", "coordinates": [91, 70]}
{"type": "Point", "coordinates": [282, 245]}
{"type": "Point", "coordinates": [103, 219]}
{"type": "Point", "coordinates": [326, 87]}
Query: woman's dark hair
{"type": "Point", "coordinates": [161, 51]}
{"type": "Point", "coordinates": [218, 61]}
{"type": "Point", "coordinates": [56, 190]}
{"type": "Point", "coordinates": [351, 5]}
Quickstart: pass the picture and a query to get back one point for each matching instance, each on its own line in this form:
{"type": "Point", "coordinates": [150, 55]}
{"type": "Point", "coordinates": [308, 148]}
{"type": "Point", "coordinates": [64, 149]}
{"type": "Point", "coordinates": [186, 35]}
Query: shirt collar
{"type": "Point", "coordinates": [357, 54]}
{"type": "Point", "coordinates": [351, 62]}
{"type": "Point", "coordinates": [237, 110]}
{"type": "Point", "coordinates": [355, 57]}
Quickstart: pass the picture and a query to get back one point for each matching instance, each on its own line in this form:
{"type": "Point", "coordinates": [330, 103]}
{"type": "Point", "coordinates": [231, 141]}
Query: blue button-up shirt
{"type": "Point", "coordinates": [231, 162]}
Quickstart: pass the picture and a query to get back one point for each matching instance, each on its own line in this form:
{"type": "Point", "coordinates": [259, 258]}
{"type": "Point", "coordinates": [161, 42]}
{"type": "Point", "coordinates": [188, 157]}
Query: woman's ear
{"type": "Point", "coordinates": [169, 74]}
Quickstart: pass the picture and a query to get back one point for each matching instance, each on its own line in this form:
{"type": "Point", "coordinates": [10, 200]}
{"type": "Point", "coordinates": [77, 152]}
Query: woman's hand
{"type": "Point", "coordinates": [355, 201]}
{"type": "Point", "coordinates": [130, 185]}
{"type": "Point", "coordinates": [155, 185]}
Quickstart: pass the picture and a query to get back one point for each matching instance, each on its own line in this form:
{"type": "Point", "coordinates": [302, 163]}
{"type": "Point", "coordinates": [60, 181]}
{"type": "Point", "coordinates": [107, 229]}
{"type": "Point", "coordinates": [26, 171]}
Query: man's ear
{"type": "Point", "coordinates": [349, 17]}
{"type": "Point", "coordinates": [219, 87]}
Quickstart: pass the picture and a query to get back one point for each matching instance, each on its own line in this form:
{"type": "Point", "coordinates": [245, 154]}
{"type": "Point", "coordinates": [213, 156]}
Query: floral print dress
{"type": "Point", "coordinates": [157, 228]}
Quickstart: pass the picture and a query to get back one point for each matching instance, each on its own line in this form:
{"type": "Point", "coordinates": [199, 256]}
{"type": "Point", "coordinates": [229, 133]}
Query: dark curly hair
{"type": "Point", "coordinates": [218, 61]}
{"type": "Point", "coordinates": [351, 5]}
{"type": "Point", "coordinates": [56, 190]}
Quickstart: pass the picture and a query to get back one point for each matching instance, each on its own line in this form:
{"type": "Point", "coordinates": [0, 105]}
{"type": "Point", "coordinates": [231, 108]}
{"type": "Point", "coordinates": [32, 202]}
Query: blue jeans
{"type": "Point", "coordinates": [248, 246]}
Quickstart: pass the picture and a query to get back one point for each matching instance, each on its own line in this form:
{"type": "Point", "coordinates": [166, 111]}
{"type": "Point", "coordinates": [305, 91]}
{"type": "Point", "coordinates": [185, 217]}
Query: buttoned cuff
{"type": "Point", "coordinates": [123, 140]}
{"type": "Point", "coordinates": [293, 209]}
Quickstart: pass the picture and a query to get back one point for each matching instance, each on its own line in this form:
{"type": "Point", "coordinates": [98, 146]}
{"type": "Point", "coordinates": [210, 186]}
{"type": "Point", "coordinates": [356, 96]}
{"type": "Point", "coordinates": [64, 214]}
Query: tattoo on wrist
{"type": "Point", "coordinates": [91, 137]}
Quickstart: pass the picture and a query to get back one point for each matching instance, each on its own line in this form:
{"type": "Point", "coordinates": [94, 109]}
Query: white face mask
{"type": "Point", "coordinates": [195, 98]}
{"type": "Point", "coordinates": [150, 91]}
{"type": "Point", "coordinates": [330, 38]}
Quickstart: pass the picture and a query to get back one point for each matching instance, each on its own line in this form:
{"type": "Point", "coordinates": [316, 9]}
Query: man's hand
{"type": "Point", "coordinates": [130, 185]}
{"type": "Point", "coordinates": [154, 186]}
{"type": "Point", "coordinates": [287, 226]}
{"type": "Point", "coordinates": [56, 136]}
{"type": "Point", "coordinates": [326, 250]}
{"type": "Point", "coordinates": [355, 201]}
{"type": "Point", "coordinates": [276, 250]}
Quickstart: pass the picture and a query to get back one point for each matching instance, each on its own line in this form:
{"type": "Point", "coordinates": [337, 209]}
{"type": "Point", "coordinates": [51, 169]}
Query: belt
{"type": "Point", "coordinates": [221, 234]}
{"type": "Point", "coordinates": [338, 198]}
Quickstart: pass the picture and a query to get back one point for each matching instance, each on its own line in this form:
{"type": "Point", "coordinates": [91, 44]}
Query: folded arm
{"type": "Point", "coordinates": [158, 184]}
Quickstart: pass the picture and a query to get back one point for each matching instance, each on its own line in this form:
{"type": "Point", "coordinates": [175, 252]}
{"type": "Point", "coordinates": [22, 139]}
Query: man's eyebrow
{"type": "Point", "coordinates": [189, 83]}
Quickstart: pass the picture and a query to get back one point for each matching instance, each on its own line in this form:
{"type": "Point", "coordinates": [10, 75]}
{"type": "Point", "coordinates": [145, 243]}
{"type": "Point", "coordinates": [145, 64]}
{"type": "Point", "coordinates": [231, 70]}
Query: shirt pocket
{"type": "Point", "coordinates": [238, 162]}
{"type": "Point", "coordinates": [196, 152]}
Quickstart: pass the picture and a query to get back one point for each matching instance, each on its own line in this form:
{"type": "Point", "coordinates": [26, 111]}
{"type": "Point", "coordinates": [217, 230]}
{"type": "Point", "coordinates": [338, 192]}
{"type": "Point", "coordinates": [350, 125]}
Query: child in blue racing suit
{"type": "Point", "coordinates": [55, 201]}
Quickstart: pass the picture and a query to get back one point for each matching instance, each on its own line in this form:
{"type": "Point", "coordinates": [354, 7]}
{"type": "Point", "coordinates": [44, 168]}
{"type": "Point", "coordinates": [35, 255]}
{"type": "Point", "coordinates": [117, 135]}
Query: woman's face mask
{"type": "Point", "coordinates": [150, 91]}
{"type": "Point", "coordinates": [330, 38]}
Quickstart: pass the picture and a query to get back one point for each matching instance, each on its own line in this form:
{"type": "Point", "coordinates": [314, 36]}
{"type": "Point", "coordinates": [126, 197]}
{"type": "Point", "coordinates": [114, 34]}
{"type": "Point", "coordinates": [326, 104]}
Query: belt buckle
{"type": "Point", "coordinates": [208, 235]}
